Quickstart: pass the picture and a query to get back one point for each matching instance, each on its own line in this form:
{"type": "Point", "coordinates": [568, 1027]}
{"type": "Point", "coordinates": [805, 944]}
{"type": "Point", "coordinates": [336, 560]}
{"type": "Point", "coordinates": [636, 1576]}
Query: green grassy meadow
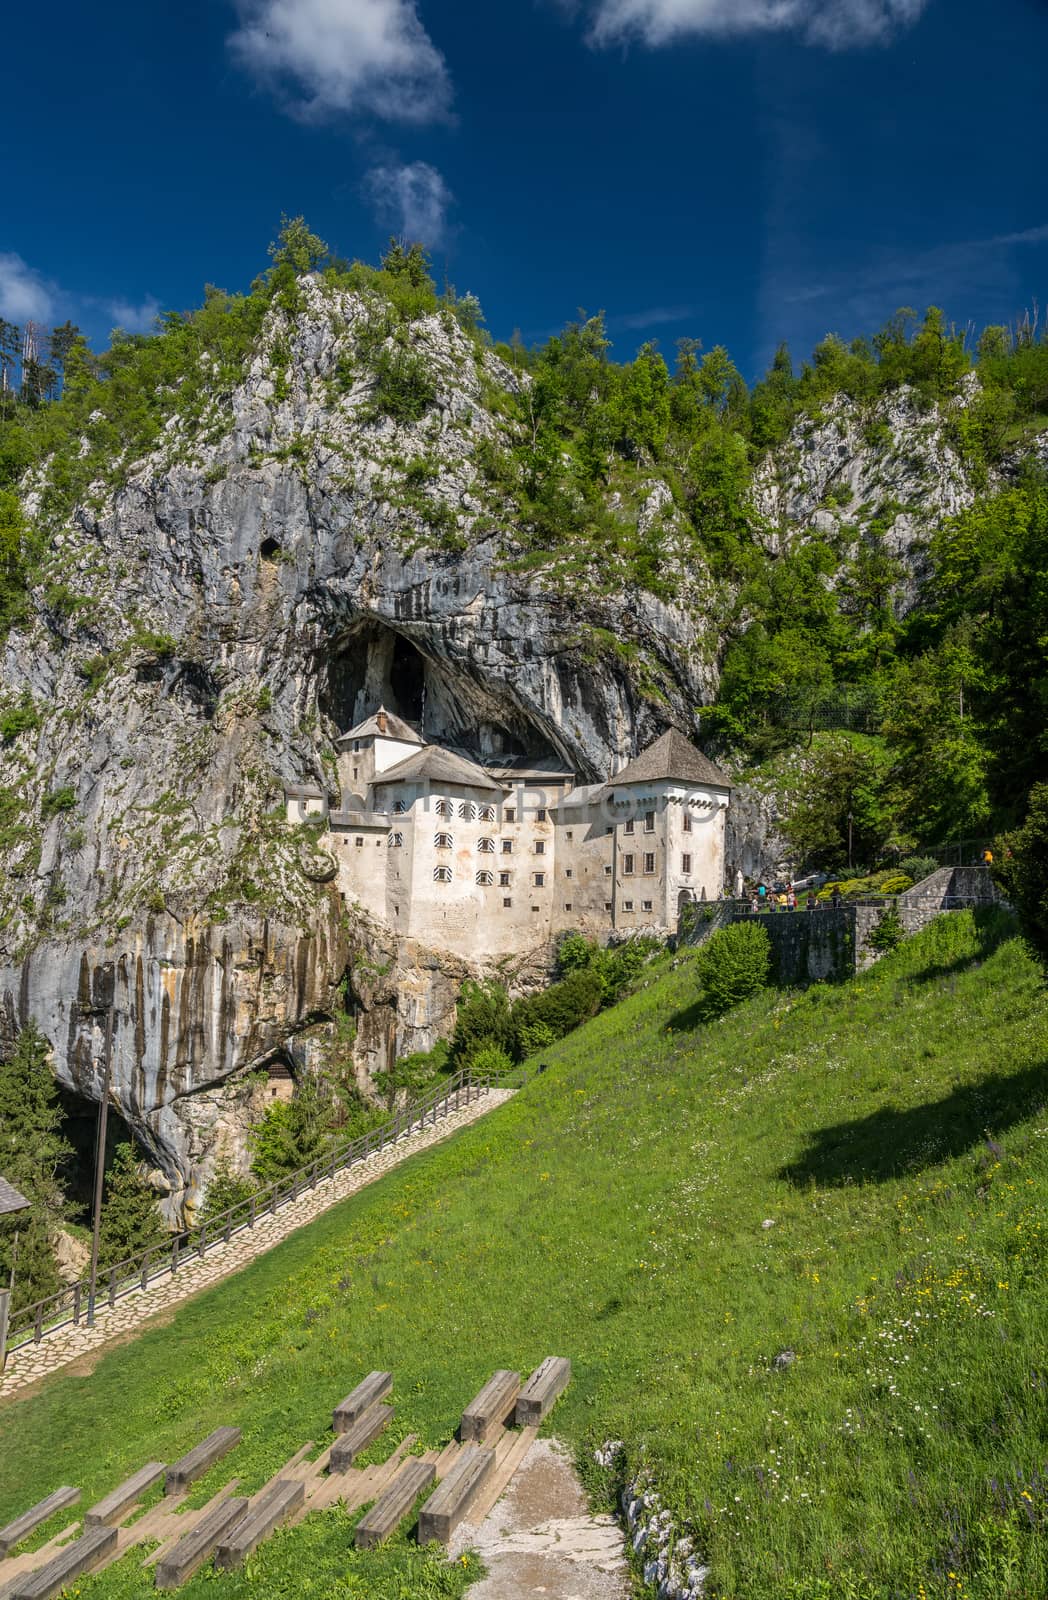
{"type": "Point", "coordinates": [892, 1130]}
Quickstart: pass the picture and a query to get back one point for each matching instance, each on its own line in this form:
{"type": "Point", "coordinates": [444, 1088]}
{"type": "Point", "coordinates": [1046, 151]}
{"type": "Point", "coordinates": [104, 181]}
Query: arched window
{"type": "Point", "coordinates": [467, 810]}
{"type": "Point", "coordinates": [443, 841]}
{"type": "Point", "coordinates": [486, 846]}
{"type": "Point", "coordinates": [487, 813]}
{"type": "Point", "coordinates": [485, 879]}
{"type": "Point", "coordinates": [445, 808]}
{"type": "Point", "coordinates": [441, 874]}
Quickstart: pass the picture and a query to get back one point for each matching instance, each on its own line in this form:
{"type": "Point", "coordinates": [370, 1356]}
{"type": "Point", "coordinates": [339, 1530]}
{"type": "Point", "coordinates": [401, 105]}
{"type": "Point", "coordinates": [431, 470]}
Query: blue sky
{"type": "Point", "coordinates": [741, 171]}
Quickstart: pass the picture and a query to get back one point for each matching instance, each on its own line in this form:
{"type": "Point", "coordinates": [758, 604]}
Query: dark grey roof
{"type": "Point", "coordinates": [672, 756]}
{"type": "Point", "coordinates": [10, 1199]}
{"type": "Point", "coordinates": [434, 765]}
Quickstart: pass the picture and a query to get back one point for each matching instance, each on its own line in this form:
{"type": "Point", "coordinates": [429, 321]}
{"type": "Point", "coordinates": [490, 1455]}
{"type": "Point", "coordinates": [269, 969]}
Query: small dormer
{"type": "Point", "coordinates": [371, 747]}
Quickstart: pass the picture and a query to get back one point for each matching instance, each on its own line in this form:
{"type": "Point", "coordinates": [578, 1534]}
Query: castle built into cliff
{"type": "Point", "coordinates": [495, 859]}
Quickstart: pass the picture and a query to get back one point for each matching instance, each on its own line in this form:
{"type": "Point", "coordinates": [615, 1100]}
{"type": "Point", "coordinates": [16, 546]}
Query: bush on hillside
{"type": "Point", "coordinates": [733, 965]}
{"type": "Point", "coordinates": [490, 1058]}
{"type": "Point", "coordinates": [540, 1019]}
{"type": "Point", "coordinates": [33, 1154]}
{"type": "Point", "coordinates": [289, 1135]}
{"type": "Point", "coordinates": [918, 867]}
{"type": "Point", "coordinates": [1021, 869]}
{"type": "Point", "coordinates": [888, 932]}
{"type": "Point", "coordinates": [483, 1017]}
{"type": "Point", "coordinates": [226, 1190]}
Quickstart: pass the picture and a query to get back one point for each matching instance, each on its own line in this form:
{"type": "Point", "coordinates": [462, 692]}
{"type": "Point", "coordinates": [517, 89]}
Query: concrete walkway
{"type": "Point", "coordinates": [28, 1363]}
{"type": "Point", "coordinates": [541, 1539]}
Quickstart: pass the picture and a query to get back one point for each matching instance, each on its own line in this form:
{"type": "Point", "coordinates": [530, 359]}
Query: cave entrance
{"type": "Point", "coordinates": [374, 665]}
{"type": "Point", "coordinates": [80, 1128]}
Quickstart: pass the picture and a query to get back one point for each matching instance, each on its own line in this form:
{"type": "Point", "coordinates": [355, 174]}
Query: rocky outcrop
{"type": "Point", "coordinates": [285, 558]}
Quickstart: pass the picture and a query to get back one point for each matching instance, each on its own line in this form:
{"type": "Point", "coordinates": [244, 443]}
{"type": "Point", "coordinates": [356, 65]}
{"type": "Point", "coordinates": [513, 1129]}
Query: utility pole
{"type": "Point", "coordinates": [100, 1143]}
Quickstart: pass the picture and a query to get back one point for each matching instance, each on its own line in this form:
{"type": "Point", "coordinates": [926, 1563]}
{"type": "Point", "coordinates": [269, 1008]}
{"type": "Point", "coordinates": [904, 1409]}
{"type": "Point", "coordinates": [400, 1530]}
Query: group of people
{"type": "Point", "coordinates": [784, 898]}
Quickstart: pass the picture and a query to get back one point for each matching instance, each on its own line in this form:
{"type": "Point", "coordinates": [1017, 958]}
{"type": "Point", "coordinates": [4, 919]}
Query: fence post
{"type": "Point", "coordinates": [144, 1280]}
{"type": "Point", "coordinates": [38, 1325]}
{"type": "Point", "coordinates": [174, 1255]}
{"type": "Point", "coordinates": [203, 1238]}
{"type": "Point", "coordinates": [76, 1311]}
{"type": "Point", "coordinates": [273, 1202]}
{"type": "Point", "coordinates": [112, 1286]}
{"type": "Point", "coordinates": [5, 1315]}
{"type": "Point", "coordinates": [251, 1213]}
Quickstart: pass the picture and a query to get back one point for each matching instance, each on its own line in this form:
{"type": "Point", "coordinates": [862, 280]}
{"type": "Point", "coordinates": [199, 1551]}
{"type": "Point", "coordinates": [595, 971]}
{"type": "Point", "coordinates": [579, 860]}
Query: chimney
{"type": "Point", "coordinates": [381, 719]}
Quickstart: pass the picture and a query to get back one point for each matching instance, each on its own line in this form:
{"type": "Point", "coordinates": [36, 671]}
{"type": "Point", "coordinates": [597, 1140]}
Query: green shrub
{"type": "Point", "coordinates": [404, 389]}
{"type": "Point", "coordinates": [22, 717]}
{"type": "Point", "coordinates": [534, 1036]}
{"type": "Point", "coordinates": [918, 867]}
{"type": "Point", "coordinates": [558, 1009]}
{"type": "Point", "coordinates": [1021, 869]}
{"type": "Point", "coordinates": [490, 1058]}
{"type": "Point", "coordinates": [63, 799]}
{"type": "Point", "coordinates": [289, 1135]}
{"type": "Point", "coordinates": [131, 1222]}
{"type": "Point", "coordinates": [733, 965]}
{"type": "Point", "coordinates": [889, 931]}
{"type": "Point", "coordinates": [226, 1190]}
{"type": "Point", "coordinates": [483, 1017]}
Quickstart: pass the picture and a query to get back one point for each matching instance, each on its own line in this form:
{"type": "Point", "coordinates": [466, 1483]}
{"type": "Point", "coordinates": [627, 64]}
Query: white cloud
{"type": "Point", "coordinates": [132, 318]}
{"type": "Point", "coordinates": [24, 296]}
{"type": "Point", "coordinates": [838, 24]}
{"type": "Point", "coordinates": [412, 200]}
{"type": "Point", "coordinates": [344, 56]}
{"type": "Point", "coordinates": [652, 317]}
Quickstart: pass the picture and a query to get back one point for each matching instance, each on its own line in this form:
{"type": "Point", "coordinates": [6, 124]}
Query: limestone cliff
{"type": "Point", "coordinates": [285, 558]}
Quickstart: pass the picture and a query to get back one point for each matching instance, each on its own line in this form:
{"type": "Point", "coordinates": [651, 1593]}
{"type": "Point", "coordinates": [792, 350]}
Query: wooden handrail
{"type": "Point", "coordinates": [35, 1322]}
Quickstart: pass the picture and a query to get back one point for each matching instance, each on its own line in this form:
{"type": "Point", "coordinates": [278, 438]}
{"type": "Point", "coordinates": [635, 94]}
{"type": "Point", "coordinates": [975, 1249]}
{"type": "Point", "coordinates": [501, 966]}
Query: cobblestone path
{"type": "Point", "coordinates": [30, 1362]}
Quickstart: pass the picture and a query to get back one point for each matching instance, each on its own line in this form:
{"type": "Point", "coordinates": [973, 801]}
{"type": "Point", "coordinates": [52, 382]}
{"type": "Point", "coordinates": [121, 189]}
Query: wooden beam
{"type": "Point", "coordinates": [83, 1555]}
{"type": "Point", "coordinates": [276, 1504]}
{"type": "Point", "coordinates": [32, 1519]}
{"type": "Point", "coordinates": [376, 1386]}
{"type": "Point", "coordinates": [193, 1549]}
{"type": "Point", "coordinates": [448, 1504]}
{"type": "Point", "coordinates": [492, 1405]}
{"type": "Point", "coordinates": [115, 1506]}
{"type": "Point", "coordinates": [542, 1390]}
{"type": "Point", "coordinates": [201, 1458]}
{"type": "Point", "coordinates": [363, 1432]}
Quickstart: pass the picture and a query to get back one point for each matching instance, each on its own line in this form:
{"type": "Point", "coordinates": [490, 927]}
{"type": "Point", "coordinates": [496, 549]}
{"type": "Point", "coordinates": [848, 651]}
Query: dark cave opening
{"type": "Point", "coordinates": [80, 1128]}
{"type": "Point", "coordinates": [269, 549]}
{"type": "Point", "coordinates": [374, 665]}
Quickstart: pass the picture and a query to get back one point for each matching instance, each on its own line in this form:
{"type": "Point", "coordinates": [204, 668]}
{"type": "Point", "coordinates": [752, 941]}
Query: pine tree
{"type": "Point", "coordinates": [32, 1156]}
{"type": "Point", "coordinates": [131, 1223]}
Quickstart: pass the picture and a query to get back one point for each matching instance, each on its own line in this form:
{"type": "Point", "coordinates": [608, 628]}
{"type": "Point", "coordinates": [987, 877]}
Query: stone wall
{"type": "Point", "coordinates": [809, 946]}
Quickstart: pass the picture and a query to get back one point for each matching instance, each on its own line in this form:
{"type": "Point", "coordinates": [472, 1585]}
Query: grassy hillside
{"type": "Point", "coordinates": [894, 1133]}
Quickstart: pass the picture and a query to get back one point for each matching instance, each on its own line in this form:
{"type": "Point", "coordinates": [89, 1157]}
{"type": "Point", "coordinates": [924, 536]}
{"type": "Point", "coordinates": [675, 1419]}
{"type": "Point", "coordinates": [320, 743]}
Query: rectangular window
{"type": "Point", "coordinates": [629, 826]}
{"type": "Point", "coordinates": [504, 880]}
{"type": "Point", "coordinates": [507, 847]}
{"type": "Point", "coordinates": [506, 902]}
{"type": "Point", "coordinates": [356, 746]}
{"type": "Point", "coordinates": [540, 847]}
{"type": "Point", "coordinates": [607, 872]}
{"type": "Point", "coordinates": [627, 905]}
{"type": "Point", "coordinates": [627, 864]}
{"type": "Point", "coordinates": [685, 864]}
{"type": "Point", "coordinates": [540, 815]}
{"type": "Point", "coordinates": [567, 905]}
{"type": "Point", "coordinates": [539, 880]}
{"type": "Point", "coordinates": [536, 908]}
{"type": "Point", "coordinates": [646, 904]}
{"type": "Point", "coordinates": [510, 814]}
{"type": "Point", "coordinates": [358, 840]}
{"type": "Point", "coordinates": [687, 822]}
{"type": "Point", "coordinates": [570, 834]}
{"type": "Point", "coordinates": [607, 905]}
{"type": "Point", "coordinates": [569, 873]}
{"type": "Point", "coordinates": [649, 822]}
{"type": "Point", "coordinates": [649, 862]}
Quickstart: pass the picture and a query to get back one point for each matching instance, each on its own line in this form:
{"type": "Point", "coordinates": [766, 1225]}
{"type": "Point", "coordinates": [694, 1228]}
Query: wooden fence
{"type": "Point", "coordinates": [77, 1302]}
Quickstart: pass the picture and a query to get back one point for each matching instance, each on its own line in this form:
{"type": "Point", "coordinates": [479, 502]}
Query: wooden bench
{"type": "Point", "coordinates": [278, 1502]}
{"type": "Point", "coordinates": [394, 1504]}
{"type": "Point", "coordinates": [540, 1393]}
{"type": "Point", "coordinates": [32, 1519]}
{"type": "Point", "coordinates": [493, 1404]}
{"type": "Point", "coordinates": [448, 1504]}
{"type": "Point", "coordinates": [115, 1506]}
{"type": "Point", "coordinates": [83, 1555]}
{"type": "Point", "coordinates": [375, 1387]}
{"type": "Point", "coordinates": [200, 1459]}
{"type": "Point", "coordinates": [193, 1549]}
{"type": "Point", "coordinates": [363, 1432]}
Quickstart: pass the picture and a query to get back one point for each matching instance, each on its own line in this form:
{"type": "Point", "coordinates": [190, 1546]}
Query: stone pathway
{"type": "Point", "coordinates": [540, 1538]}
{"type": "Point", "coordinates": [28, 1363]}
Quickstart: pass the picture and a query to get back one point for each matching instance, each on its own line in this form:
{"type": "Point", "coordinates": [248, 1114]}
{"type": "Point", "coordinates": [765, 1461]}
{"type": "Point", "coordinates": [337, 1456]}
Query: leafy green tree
{"type": "Point", "coordinates": [732, 966]}
{"type": "Point", "coordinates": [131, 1222]}
{"type": "Point", "coordinates": [291, 1134]}
{"type": "Point", "coordinates": [298, 247]}
{"type": "Point", "coordinates": [845, 776]}
{"type": "Point", "coordinates": [482, 1017]}
{"type": "Point", "coordinates": [33, 1154]}
{"type": "Point", "coordinates": [228, 1188]}
{"type": "Point", "coordinates": [888, 932]}
{"type": "Point", "coordinates": [1021, 869]}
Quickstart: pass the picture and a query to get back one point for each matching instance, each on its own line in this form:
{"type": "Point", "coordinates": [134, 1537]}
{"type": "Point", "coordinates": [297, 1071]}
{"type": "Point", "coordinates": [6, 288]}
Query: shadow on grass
{"type": "Point", "coordinates": [993, 925]}
{"type": "Point", "coordinates": [889, 1143]}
